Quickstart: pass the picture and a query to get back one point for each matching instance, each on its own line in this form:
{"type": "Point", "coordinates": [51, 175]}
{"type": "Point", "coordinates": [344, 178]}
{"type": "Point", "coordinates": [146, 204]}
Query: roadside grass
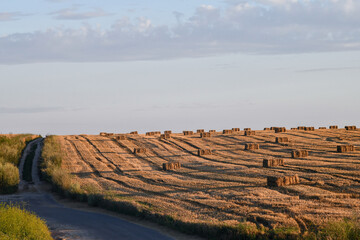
{"type": "Point", "coordinates": [11, 148]}
{"type": "Point", "coordinates": [66, 185]}
{"type": "Point", "coordinates": [19, 224]}
{"type": "Point", "coordinates": [9, 178]}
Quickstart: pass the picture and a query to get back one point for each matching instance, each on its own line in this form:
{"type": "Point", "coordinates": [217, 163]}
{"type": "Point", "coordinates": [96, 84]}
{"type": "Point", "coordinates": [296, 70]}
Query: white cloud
{"type": "Point", "coordinates": [73, 14]}
{"type": "Point", "coordinates": [263, 28]}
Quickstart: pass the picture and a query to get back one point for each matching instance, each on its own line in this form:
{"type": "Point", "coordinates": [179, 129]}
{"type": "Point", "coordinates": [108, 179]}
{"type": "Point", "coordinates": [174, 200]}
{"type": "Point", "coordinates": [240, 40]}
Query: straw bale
{"type": "Point", "coordinates": [202, 152]}
{"type": "Point", "coordinates": [251, 146]}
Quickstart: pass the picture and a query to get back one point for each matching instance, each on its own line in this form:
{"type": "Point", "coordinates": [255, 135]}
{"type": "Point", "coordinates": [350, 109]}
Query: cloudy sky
{"type": "Point", "coordinates": [76, 66]}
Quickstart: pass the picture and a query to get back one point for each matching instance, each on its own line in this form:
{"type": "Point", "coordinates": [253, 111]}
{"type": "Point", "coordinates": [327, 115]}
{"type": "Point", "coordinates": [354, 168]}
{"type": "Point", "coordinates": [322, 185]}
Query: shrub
{"type": "Point", "coordinates": [9, 178]}
{"type": "Point", "coordinates": [347, 229]}
{"type": "Point", "coordinates": [12, 146]}
{"type": "Point", "coordinates": [19, 224]}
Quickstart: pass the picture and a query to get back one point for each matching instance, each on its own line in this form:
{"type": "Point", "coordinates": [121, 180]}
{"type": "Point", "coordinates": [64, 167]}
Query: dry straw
{"type": "Point", "coordinates": [268, 163]}
{"type": "Point", "coordinates": [139, 150]}
{"type": "Point", "coordinates": [205, 135]}
{"type": "Point", "coordinates": [252, 146]}
{"type": "Point", "coordinates": [227, 131]}
{"type": "Point", "coordinates": [186, 133]}
{"type": "Point", "coordinates": [249, 133]}
{"type": "Point", "coordinates": [171, 166]}
{"type": "Point", "coordinates": [345, 148]}
{"type": "Point", "coordinates": [281, 139]}
{"type": "Point", "coordinates": [299, 153]}
{"type": "Point", "coordinates": [202, 152]}
{"type": "Point", "coordinates": [282, 181]}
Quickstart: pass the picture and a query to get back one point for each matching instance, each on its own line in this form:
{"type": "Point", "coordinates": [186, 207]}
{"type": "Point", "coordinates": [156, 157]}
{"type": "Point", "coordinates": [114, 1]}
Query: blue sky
{"type": "Point", "coordinates": [76, 66]}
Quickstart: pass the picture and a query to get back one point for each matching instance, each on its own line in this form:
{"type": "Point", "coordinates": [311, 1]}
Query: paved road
{"type": "Point", "coordinates": [72, 223]}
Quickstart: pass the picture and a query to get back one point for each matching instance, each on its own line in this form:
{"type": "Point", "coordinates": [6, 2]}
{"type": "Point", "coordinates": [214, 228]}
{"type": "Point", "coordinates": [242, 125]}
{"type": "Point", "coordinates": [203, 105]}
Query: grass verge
{"type": "Point", "coordinates": [11, 148]}
{"type": "Point", "coordinates": [66, 185]}
{"type": "Point", "coordinates": [19, 224]}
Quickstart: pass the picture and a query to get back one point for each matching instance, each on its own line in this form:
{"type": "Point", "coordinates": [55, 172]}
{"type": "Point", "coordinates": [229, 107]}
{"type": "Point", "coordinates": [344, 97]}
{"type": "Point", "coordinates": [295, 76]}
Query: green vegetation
{"type": "Point", "coordinates": [9, 178]}
{"type": "Point", "coordinates": [65, 184]}
{"type": "Point", "coordinates": [11, 147]}
{"type": "Point", "coordinates": [19, 224]}
{"type": "Point", "coordinates": [338, 230]}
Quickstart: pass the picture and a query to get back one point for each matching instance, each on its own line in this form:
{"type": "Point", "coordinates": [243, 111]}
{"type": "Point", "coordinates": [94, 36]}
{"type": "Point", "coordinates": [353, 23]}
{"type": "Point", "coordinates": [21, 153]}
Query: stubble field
{"type": "Point", "coordinates": [230, 185]}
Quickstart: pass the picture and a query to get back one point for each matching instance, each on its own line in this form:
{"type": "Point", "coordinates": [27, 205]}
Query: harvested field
{"type": "Point", "coordinates": [230, 185]}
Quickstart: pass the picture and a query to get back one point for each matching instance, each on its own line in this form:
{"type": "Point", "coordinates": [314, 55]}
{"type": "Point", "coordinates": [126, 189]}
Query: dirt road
{"type": "Point", "coordinates": [69, 223]}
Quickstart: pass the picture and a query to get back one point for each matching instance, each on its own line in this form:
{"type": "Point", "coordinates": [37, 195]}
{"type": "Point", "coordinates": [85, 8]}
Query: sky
{"type": "Point", "coordinates": [81, 67]}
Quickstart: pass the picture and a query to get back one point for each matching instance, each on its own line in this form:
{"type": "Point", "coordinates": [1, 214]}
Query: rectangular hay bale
{"type": "Point", "coordinates": [350, 127]}
{"type": "Point", "coordinates": [205, 135]}
{"type": "Point", "coordinates": [134, 133]}
{"type": "Point", "coordinates": [251, 146]}
{"type": "Point", "coordinates": [227, 131]}
{"type": "Point", "coordinates": [168, 132]}
{"type": "Point", "coordinates": [236, 129]}
{"type": "Point", "coordinates": [282, 181]}
{"type": "Point", "coordinates": [280, 129]}
{"type": "Point", "coordinates": [186, 133]}
{"type": "Point", "coordinates": [281, 139]}
{"type": "Point", "coordinates": [165, 136]}
{"type": "Point", "coordinates": [121, 137]}
{"type": "Point", "coordinates": [299, 153]}
{"type": "Point", "coordinates": [171, 166]}
{"type": "Point", "coordinates": [249, 133]}
{"type": "Point", "coordinates": [345, 148]}
{"type": "Point", "coordinates": [202, 152]}
{"type": "Point", "coordinates": [139, 150]}
{"type": "Point", "coordinates": [334, 127]}
{"type": "Point", "coordinates": [268, 163]}
{"type": "Point", "coordinates": [200, 131]}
